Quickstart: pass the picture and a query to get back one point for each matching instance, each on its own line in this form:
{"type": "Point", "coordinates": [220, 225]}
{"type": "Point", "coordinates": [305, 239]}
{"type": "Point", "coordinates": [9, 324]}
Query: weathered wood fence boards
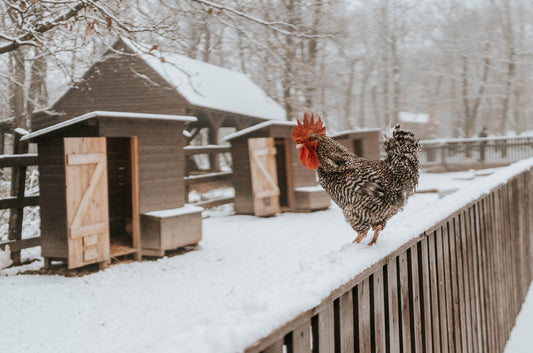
{"type": "Point", "coordinates": [456, 288]}
{"type": "Point", "coordinates": [19, 162]}
{"type": "Point", "coordinates": [451, 154]}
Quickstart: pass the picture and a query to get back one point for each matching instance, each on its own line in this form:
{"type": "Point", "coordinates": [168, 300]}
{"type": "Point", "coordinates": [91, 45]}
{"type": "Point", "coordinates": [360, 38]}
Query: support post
{"type": "Point", "coordinates": [18, 181]}
{"type": "Point", "coordinates": [214, 126]}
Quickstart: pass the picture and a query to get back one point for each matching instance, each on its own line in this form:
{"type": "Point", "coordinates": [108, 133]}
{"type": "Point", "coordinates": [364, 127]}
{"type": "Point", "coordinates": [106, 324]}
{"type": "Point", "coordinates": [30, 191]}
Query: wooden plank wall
{"type": "Point", "coordinates": [52, 201]}
{"type": "Point", "coordinates": [244, 203]}
{"type": "Point", "coordinates": [456, 288]}
{"type": "Point", "coordinates": [161, 160]}
{"type": "Point", "coordinates": [119, 83]}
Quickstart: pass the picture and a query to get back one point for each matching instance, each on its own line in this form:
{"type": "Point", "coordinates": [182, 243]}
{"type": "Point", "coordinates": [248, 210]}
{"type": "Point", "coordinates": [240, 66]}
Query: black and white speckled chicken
{"type": "Point", "coordinates": [369, 192]}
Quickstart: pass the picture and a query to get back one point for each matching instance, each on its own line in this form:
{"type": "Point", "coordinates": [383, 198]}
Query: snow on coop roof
{"type": "Point", "coordinates": [409, 117]}
{"type": "Point", "coordinates": [258, 127]}
{"type": "Point", "coordinates": [211, 86]}
{"type": "Point", "coordinates": [104, 114]}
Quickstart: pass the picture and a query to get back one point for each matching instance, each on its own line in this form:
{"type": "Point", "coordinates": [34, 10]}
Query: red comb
{"type": "Point", "coordinates": [307, 127]}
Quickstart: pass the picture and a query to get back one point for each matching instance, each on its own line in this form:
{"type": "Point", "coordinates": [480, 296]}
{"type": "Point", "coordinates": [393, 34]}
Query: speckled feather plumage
{"type": "Point", "coordinates": [369, 192]}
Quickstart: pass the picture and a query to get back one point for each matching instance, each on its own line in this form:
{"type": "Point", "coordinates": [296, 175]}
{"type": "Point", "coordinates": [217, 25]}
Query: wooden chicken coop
{"type": "Point", "coordinates": [364, 143]}
{"type": "Point", "coordinates": [268, 176]}
{"type": "Point", "coordinates": [111, 184]}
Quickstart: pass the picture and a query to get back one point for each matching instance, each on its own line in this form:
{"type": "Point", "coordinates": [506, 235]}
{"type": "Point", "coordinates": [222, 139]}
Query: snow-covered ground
{"type": "Point", "coordinates": [520, 339]}
{"type": "Point", "coordinates": [248, 277]}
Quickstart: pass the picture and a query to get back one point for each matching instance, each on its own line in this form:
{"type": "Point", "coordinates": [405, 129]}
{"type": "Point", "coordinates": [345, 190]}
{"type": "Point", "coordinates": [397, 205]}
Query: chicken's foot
{"type": "Point", "coordinates": [360, 236]}
{"type": "Point", "coordinates": [377, 229]}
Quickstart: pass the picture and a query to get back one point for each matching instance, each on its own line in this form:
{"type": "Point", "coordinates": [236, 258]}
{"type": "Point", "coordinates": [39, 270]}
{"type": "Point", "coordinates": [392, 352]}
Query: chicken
{"type": "Point", "coordinates": [369, 192]}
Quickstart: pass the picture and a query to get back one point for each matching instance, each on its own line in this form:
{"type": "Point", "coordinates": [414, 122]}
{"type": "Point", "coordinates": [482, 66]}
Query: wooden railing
{"type": "Point", "coordinates": [456, 288]}
{"type": "Point", "coordinates": [458, 154]}
{"type": "Point", "coordinates": [19, 161]}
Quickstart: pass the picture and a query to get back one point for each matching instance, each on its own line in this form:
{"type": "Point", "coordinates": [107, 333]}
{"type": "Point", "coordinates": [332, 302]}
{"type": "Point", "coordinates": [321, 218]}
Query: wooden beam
{"type": "Point", "coordinates": [214, 202]}
{"type": "Point", "coordinates": [214, 125]}
{"type": "Point", "coordinates": [85, 158]}
{"type": "Point", "coordinates": [135, 206]}
{"type": "Point", "coordinates": [193, 150]}
{"type": "Point", "coordinates": [17, 245]}
{"type": "Point", "coordinates": [18, 160]}
{"type": "Point", "coordinates": [195, 179]}
{"type": "Point", "coordinates": [18, 183]}
{"type": "Point", "coordinates": [15, 202]}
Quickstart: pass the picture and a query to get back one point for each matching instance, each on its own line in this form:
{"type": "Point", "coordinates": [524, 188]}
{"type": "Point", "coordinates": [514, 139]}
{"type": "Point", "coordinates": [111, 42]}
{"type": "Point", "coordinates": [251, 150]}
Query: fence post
{"type": "Point", "coordinates": [443, 156]}
{"type": "Point", "coordinates": [18, 181]}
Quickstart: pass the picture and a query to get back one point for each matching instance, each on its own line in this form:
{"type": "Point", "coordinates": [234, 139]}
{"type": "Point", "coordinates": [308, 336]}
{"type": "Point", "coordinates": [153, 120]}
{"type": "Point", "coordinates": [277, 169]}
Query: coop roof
{"type": "Point", "coordinates": [210, 86]}
{"type": "Point", "coordinates": [104, 114]}
{"type": "Point", "coordinates": [257, 127]}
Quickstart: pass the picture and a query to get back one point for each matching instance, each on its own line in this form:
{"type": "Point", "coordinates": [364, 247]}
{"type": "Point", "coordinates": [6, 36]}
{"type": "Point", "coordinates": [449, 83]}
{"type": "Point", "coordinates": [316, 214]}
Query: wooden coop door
{"type": "Point", "coordinates": [264, 176]}
{"type": "Point", "coordinates": [87, 201]}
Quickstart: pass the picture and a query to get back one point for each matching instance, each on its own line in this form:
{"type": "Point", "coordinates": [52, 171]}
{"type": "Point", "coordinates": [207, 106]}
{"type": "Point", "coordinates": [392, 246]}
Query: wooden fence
{"type": "Point", "coordinates": [18, 161]}
{"type": "Point", "coordinates": [456, 288]}
{"type": "Point", "coordinates": [211, 176]}
{"type": "Point", "coordinates": [457, 154]}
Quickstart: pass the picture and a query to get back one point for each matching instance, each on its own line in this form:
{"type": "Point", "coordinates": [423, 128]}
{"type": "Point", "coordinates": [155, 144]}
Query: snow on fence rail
{"type": "Point", "coordinates": [457, 287]}
{"type": "Point", "coordinates": [456, 153]}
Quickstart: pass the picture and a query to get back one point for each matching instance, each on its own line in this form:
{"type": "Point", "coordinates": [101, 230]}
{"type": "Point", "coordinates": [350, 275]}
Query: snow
{"type": "Point", "coordinates": [520, 338]}
{"type": "Point", "coordinates": [409, 117]}
{"type": "Point", "coordinates": [249, 276]}
{"type": "Point", "coordinates": [173, 212]}
{"type": "Point", "coordinates": [105, 114]}
{"type": "Point", "coordinates": [21, 131]}
{"type": "Point", "coordinates": [309, 188]}
{"type": "Point", "coordinates": [258, 127]}
{"type": "Point", "coordinates": [348, 132]}
{"type": "Point", "coordinates": [211, 86]}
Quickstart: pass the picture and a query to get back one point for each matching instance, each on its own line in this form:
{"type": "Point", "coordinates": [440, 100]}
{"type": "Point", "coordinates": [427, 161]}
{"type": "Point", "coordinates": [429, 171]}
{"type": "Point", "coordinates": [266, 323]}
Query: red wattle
{"type": "Point", "coordinates": [308, 157]}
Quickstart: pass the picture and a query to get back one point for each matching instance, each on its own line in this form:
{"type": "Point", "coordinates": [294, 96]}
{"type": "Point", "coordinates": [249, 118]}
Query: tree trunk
{"type": "Point", "coordinates": [17, 100]}
{"type": "Point", "coordinates": [38, 93]}
{"type": "Point", "coordinates": [349, 95]}
{"type": "Point", "coordinates": [362, 99]}
{"type": "Point", "coordinates": [287, 81]}
{"type": "Point", "coordinates": [504, 114]}
{"type": "Point", "coordinates": [471, 108]}
{"type": "Point", "coordinates": [312, 52]}
{"type": "Point", "coordinates": [396, 88]}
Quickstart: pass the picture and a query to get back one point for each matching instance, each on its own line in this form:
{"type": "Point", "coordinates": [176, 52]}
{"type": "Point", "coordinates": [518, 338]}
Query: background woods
{"type": "Point", "coordinates": [361, 63]}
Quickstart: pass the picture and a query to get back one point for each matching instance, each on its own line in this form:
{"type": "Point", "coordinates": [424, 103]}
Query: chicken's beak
{"type": "Point", "coordinates": [299, 145]}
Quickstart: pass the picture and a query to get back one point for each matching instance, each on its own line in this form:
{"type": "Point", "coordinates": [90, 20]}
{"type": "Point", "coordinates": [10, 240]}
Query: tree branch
{"type": "Point", "coordinates": [272, 25]}
{"type": "Point", "coordinates": [28, 38]}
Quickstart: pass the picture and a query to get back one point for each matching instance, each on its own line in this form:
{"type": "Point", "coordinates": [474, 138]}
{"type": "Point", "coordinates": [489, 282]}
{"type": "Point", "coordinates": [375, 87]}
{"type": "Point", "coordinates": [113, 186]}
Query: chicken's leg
{"type": "Point", "coordinates": [360, 236]}
{"type": "Point", "coordinates": [377, 229]}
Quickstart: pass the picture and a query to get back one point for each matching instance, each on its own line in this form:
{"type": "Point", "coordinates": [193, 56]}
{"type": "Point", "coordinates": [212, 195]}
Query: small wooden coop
{"type": "Point", "coordinates": [111, 184]}
{"type": "Point", "coordinates": [268, 176]}
{"type": "Point", "coordinates": [364, 143]}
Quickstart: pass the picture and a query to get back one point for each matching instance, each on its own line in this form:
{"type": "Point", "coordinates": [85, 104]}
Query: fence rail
{"type": "Point", "coordinates": [456, 288]}
{"type": "Point", "coordinates": [458, 153]}
{"type": "Point", "coordinates": [19, 161]}
{"type": "Point", "coordinates": [213, 176]}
